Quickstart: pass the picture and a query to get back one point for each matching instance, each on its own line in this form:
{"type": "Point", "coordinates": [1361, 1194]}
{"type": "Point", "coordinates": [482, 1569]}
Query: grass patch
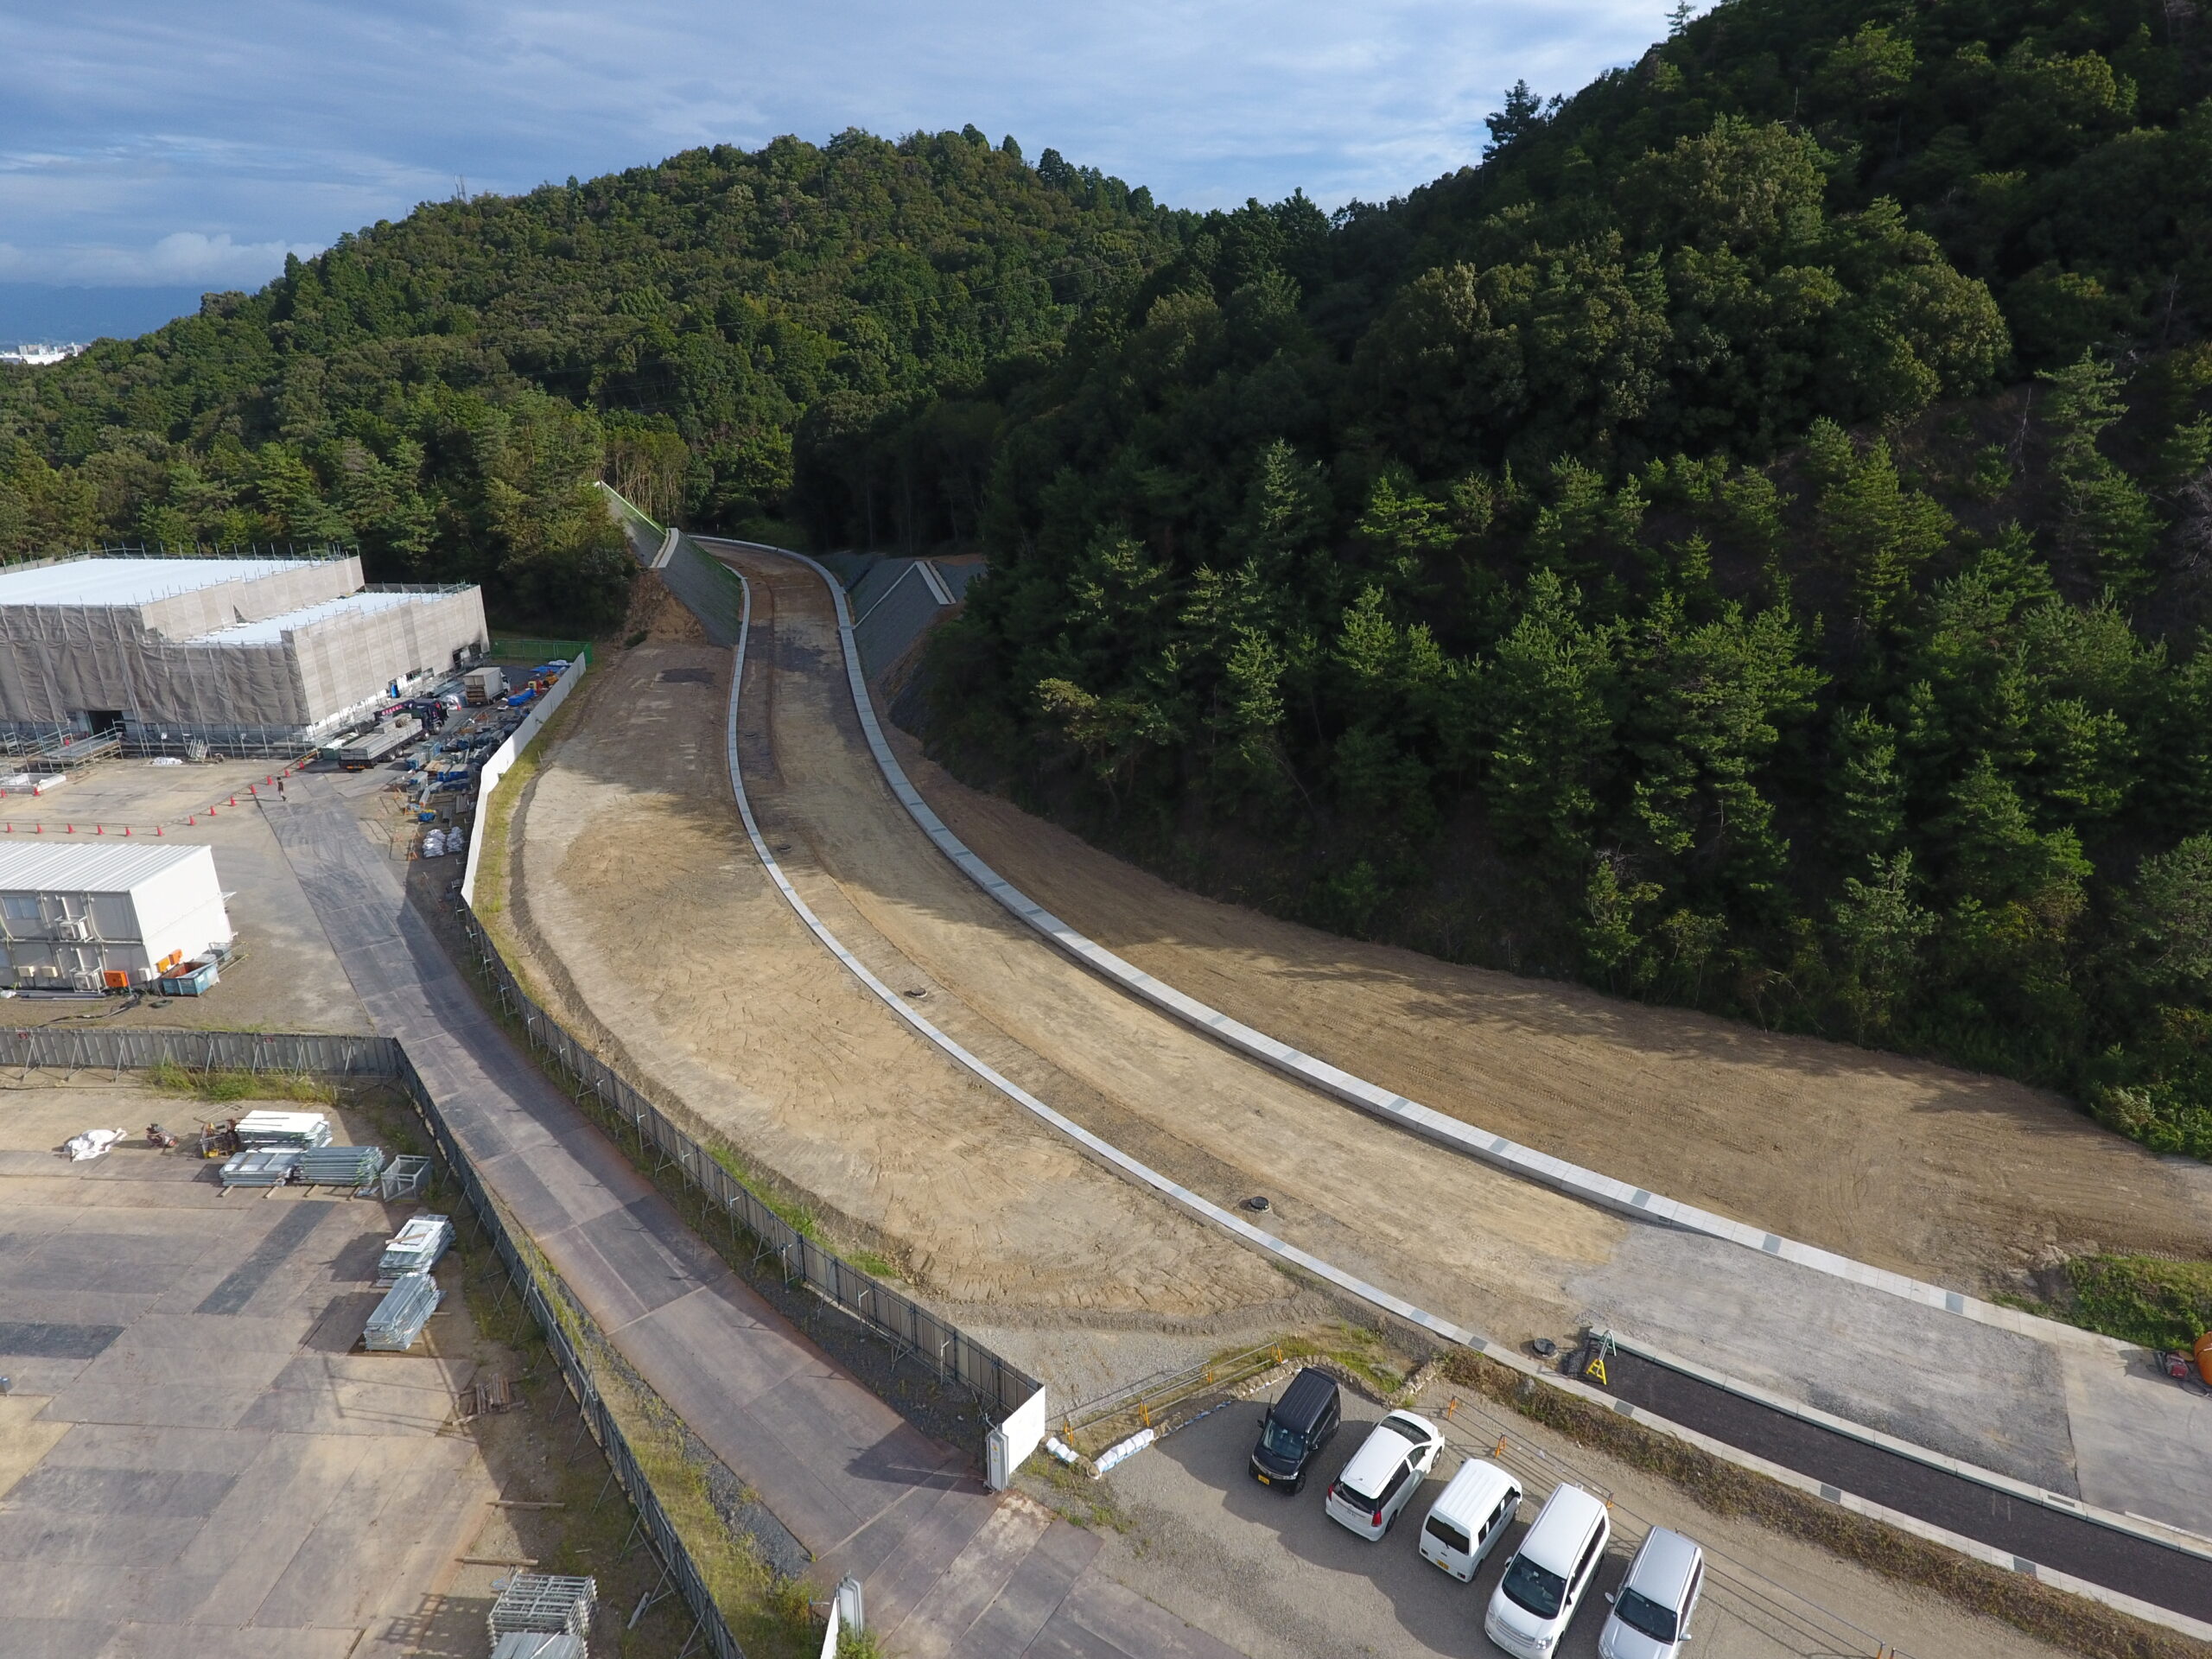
{"type": "Point", "coordinates": [514, 647]}
{"type": "Point", "coordinates": [799, 1217]}
{"type": "Point", "coordinates": [2074, 1624]}
{"type": "Point", "coordinates": [223, 1088]}
{"type": "Point", "coordinates": [2142, 1299]}
{"type": "Point", "coordinates": [1366, 1354]}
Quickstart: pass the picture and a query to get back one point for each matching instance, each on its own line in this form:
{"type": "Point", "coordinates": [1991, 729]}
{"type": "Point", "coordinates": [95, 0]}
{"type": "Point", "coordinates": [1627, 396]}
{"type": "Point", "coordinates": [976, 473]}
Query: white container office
{"type": "Point", "coordinates": [106, 915]}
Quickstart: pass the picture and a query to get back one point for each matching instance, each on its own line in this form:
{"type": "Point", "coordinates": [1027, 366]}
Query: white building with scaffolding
{"type": "Point", "coordinates": [234, 653]}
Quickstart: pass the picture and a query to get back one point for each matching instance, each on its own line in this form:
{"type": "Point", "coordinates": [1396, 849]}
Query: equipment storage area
{"type": "Point", "coordinates": [363, 749]}
{"type": "Point", "coordinates": [108, 915]}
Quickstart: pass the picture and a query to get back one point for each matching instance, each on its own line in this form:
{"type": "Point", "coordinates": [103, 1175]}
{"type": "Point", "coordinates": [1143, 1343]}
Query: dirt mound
{"type": "Point", "coordinates": [657, 613]}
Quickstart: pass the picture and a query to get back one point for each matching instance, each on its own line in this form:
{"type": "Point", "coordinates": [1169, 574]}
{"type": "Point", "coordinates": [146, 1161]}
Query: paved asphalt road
{"type": "Point", "coordinates": [947, 1566]}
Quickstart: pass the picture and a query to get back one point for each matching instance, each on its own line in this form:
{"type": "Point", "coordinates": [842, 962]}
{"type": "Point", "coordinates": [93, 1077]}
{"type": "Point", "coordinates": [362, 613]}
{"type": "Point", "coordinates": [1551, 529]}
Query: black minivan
{"type": "Point", "coordinates": [1295, 1428]}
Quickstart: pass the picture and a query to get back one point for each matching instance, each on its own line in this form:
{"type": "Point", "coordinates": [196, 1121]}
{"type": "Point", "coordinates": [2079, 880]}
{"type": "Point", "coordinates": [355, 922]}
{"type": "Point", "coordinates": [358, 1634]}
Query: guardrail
{"type": "Point", "coordinates": [913, 1329]}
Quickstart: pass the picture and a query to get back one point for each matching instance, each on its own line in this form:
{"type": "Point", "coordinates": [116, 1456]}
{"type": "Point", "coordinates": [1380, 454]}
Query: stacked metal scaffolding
{"type": "Point", "coordinates": [415, 1248]}
{"type": "Point", "coordinates": [396, 1324]}
{"type": "Point", "coordinates": [544, 1603]}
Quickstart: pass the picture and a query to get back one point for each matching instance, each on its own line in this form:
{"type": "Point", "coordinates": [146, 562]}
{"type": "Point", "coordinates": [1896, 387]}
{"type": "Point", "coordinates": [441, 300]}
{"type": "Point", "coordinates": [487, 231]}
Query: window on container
{"type": "Point", "coordinates": [19, 907]}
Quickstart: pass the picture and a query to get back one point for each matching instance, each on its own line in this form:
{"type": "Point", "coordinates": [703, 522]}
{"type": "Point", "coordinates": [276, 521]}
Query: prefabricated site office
{"type": "Point", "coordinates": [226, 652]}
{"type": "Point", "coordinates": [106, 915]}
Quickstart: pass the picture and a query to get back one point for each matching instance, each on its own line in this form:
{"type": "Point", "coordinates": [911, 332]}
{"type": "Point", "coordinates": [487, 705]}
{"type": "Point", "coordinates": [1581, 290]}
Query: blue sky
{"type": "Point", "coordinates": [149, 144]}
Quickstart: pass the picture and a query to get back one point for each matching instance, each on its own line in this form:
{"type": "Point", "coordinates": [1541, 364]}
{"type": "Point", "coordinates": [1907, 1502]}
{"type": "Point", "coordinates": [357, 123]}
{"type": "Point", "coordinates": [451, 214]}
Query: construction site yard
{"type": "Point", "coordinates": [287, 978]}
{"type": "Point", "coordinates": [196, 1456]}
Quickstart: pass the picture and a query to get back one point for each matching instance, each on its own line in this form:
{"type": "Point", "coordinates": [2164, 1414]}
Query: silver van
{"type": "Point", "coordinates": [1651, 1609]}
{"type": "Point", "coordinates": [1467, 1520]}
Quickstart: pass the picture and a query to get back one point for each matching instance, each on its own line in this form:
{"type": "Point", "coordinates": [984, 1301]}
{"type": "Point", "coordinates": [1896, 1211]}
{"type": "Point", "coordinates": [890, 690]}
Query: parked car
{"type": "Point", "coordinates": [1465, 1522]}
{"type": "Point", "coordinates": [1546, 1580]}
{"type": "Point", "coordinates": [1383, 1474]}
{"type": "Point", "coordinates": [1293, 1430]}
{"type": "Point", "coordinates": [1651, 1609]}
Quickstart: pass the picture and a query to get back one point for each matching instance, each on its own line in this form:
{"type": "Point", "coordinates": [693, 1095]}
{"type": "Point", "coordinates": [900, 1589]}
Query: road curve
{"type": "Point", "coordinates": [913, 915]}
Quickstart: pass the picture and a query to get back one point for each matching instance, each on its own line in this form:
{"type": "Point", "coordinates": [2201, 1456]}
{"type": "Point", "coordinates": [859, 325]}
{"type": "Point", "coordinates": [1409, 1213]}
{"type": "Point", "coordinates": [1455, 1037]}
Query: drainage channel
{"type": "Point", "coordinates": [2031, 1532]}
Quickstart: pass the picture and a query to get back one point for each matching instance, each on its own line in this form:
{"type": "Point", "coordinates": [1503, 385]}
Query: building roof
{"type": "Point", "coordinates": [131, 581]}
{"type": "Point", "coordinates": [269, 630]}
{"type": "Point", "coordinates": [91, 867]}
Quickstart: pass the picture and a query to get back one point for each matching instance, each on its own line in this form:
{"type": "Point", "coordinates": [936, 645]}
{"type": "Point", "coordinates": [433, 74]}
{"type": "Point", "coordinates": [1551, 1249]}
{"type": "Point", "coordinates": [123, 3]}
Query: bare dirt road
{"type": "Point", "coordinates": [648, 921]}
{"type": "Point", "coordinates": [1930, 1171]}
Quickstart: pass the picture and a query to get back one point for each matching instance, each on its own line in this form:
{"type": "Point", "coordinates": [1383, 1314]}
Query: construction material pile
{"type": "Point", "coordinates": [415, 1248]}
{"type": "Point", "coordinates": [284, 1129]}
{"type": "Point", "coordinates": [354, 1167]}
{"type": "Point", "coordinates": [528, 1645]}
{"type": "Point", "coordinates": [263, 1166]}
{"type": "Point", "coordinates": [397, 1324]}
{"type": "Point", "coordinates": [543, 1604]}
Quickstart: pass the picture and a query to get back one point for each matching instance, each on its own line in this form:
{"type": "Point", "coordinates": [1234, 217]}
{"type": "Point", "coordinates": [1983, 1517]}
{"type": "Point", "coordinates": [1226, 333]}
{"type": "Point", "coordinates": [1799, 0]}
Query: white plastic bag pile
{"type": "Point", "coordinates": [92, 1143]}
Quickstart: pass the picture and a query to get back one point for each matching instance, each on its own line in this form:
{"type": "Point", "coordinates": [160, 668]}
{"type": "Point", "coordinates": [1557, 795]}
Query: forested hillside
{"type": "Point", "coordinates": [1744, 544]}
{"type": "Point", "coordinates": [716, 335]}
{"type": "Point", "coordinates": [1745, 540]}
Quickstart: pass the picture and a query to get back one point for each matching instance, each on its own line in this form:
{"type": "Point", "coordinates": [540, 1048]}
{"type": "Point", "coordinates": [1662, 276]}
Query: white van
{"type": "Point", "coordinates": [1466, 1521]}
{"type": "Point", "coordinates": [1545, 1581]}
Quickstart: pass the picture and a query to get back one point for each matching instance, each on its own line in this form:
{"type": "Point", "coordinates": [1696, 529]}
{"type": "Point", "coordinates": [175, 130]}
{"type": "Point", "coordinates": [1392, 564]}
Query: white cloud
{"type": "Point", "coordinates": [262, 128]}
{"type": "Point", "coordinates": [195, 257]}
{"type": "Point", "coordinates": [182, 258]}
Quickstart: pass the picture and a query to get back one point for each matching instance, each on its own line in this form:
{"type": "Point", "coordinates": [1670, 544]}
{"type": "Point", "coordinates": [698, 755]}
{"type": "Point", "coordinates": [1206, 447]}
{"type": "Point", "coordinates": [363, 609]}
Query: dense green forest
{"type": "Point", "coordinates": [718, 336]}
{"type": "Point", "coordinates": [1745, 540]}
{"type": "Point", "coordinates": [1744, 544]}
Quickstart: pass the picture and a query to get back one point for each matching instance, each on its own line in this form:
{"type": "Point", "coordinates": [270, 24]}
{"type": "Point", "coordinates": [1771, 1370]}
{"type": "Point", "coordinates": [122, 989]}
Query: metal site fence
{"type": "Point", "coordinates": [709, 1625]}
{"type": "Point", "coordinates": [83, 1048]}
{"type": "Point", "coordinates": [911, 1330]}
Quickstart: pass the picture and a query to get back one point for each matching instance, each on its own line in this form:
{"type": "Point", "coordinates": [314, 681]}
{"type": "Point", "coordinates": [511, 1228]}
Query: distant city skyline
{"type": "Point", "coordinates": [173, 150]}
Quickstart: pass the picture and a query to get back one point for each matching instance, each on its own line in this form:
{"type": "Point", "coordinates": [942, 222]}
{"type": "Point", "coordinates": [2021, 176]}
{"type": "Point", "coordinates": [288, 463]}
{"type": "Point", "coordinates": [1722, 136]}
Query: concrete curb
{"type": "Point", "coordinates": [1557, 1173]}
{"type": "Point", "coordinates": [1281, 1249]}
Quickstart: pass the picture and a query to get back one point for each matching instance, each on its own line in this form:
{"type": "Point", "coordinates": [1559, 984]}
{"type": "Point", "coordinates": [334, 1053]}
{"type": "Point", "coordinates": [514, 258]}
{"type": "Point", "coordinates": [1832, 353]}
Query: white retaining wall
{"type": "Point", "coordinates": [504, 757]}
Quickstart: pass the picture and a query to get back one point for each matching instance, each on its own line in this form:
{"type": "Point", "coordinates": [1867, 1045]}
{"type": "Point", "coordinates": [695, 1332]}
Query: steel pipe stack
{"type": "Point", "coordinates": [529, 1644]}
{"type": "Point", "coordinates": [415, 1248]}
{"type": "Point", "coordinates": [354, 1167]}
{"type": "Point", "coordinates": [397, 1324]}
{"type": "Point", "coordinates": [264, 1166]}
